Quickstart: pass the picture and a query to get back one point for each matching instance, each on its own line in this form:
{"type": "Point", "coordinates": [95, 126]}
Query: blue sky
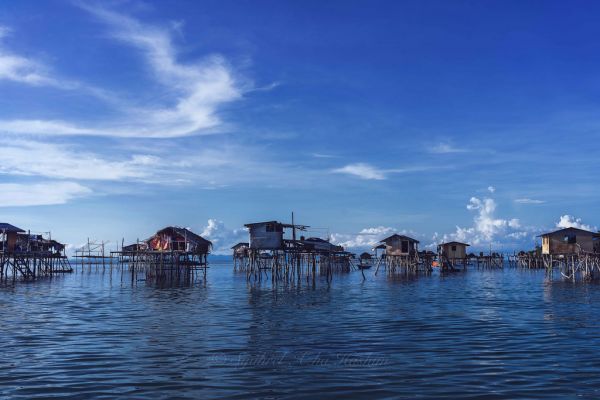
{"type": "Point", "coordinates": [475, 121]}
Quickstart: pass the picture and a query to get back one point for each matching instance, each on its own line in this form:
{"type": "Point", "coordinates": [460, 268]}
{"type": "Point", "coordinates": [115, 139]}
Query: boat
{"type": "Point", "coordinates": [364, 266]}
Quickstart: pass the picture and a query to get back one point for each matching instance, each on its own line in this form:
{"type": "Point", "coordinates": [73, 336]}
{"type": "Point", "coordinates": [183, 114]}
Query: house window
{"type": "Point", "coordinates": [405, 246]}
{"type": "Point", "coordinates": [453, 248]}
{"type": "Point", "coordinates": [570, 238]}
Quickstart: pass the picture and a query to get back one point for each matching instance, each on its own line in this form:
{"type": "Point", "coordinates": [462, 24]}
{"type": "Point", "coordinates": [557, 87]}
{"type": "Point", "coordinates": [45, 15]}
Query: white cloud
{"type": "Point", "coordinates": [193, 92]}
{"type": "Point", "coordinates": [491, 189]}
{"type": "Point", "coordinates": [378, 231]}
{"type": "Point", "coordinates": [37, 194]}
{"type": "Point", "coordinates": [322, 155]}
{"type": "Point", "coordinates": [568, 221]}
{"type": "Point", "coordinates": [21, 69]}
{"type": "Point", "coordinates": [19, 157]}
{"type": "Point", "coordinates": [362, 170]}
{"type": "Point", "coordinates": [222, 237]}
{"type": "Point", "coordinates": [487, 228]}
{"type": "Point", "coordinates": [367, 238]}
{"type": "Point", "coordinates": [369, 172]}
{"type": "Point", "coordinates": [445, 148]}
{"type": "Point", "coordinates": [529, 201]}
{"type": "Point", "coordinates": [32, 72]}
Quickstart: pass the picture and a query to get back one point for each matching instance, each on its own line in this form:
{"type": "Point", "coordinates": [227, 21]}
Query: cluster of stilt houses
{"type": "Point", "coordinates": [28, 255]}
{"type": "Point", "coordinates": [298, 256]}
{"type": "Point", "coordinates": [571, 252]}
{"type": "Point", "coordinates": [283, 251]}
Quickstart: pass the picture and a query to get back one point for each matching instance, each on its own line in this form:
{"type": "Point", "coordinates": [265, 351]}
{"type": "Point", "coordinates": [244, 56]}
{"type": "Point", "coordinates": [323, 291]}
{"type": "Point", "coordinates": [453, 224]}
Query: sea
{"type": "Point", "coordinates": [478, 334]}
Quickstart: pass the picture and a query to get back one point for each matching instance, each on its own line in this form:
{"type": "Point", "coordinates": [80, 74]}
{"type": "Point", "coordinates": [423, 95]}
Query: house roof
{"type": "Point", "coordinates": [300, 227]}
{"type": "Point", "coordinates": [567, 230]}
{"type": "Point", "coordinates": [189, 235]}
{"type": "Point", "coordinates": [240, 245]}
{"type": "Point", "coordinates": [459, 243]}
{"type": "Point", "coordinates": [400, 237]}
{"type": "Point", "coordinates": [9, 228]}
{"type": "Point", "coordinates": [315, 239]}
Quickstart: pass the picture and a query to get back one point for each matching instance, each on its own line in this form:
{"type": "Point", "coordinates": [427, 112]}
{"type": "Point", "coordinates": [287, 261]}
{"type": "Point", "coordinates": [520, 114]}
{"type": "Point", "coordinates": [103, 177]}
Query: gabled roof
{"type": "Point", "coordinates": [572, 229]}
{"type": "Point", "coordinates": [300, 227]}
{"type": "Point", "coordinates": [459, 243]}
{"type": "Point", "coordinates": [395, 235]}
{"type": "Point", "coordinates": [240, 245]}
{"type": "Point", "coordinates": [189, 235]}
{"type": "Point", "coordinates": [9, 228]}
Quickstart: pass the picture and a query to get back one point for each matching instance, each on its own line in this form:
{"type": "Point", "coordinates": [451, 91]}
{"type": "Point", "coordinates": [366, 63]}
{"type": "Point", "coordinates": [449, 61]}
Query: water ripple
{"type": "Point", "coordinates": [475, 335]}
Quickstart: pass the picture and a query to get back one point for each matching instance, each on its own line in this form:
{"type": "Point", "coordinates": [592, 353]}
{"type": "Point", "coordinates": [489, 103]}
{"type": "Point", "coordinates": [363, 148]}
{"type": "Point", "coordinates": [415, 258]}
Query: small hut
{"type": "Point", "coordinates": [240, 250]}
{"type": "Point", "coordinates": [177, 239]}
{"type": "Point", "coordinates": [8, 237]}
{"type": "Point", "coordinates": [453, 250]}
{"type": "Point", "coordinates": [569, 241]}
{"type": "Point", "coordinates": [269, 235]}
{"type": "Point", "coordinates": [38, 244]}
{"type": "Point", "coordinates": [366, 256]}
{"type": "Point", "coordinates": [400, 245]}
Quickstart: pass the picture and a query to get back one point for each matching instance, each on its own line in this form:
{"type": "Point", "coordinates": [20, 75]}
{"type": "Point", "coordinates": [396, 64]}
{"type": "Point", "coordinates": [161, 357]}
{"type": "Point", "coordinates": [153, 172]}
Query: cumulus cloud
{"type": "Point", "coordinates": [38, 194]}
{"type": "Point", "coordinates": [491, 189]}
{"type": "Point", "coordinates": [568, 221]}
{"type": "Point", "coordinates": [222, 237]}
{"type": "Point", "coordinates": [487, 228]}
{"type": "Point", "coordinates": [367, 238]}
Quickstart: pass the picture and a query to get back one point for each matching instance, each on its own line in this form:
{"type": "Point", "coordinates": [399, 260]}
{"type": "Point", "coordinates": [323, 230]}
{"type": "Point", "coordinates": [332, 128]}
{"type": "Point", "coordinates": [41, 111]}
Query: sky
{"type": "Point", "coordinates": [475, 121]}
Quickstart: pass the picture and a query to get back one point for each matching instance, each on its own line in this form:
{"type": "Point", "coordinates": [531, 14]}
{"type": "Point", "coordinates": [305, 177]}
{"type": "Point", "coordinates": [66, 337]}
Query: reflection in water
{"type": "Point", "coordinates": [507, 333]}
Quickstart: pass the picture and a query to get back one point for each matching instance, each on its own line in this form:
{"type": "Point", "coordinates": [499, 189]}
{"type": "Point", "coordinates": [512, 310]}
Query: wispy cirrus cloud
{"type": "Point", "coordinates": [14, 67]}
{"type": "Point", "coordinates": [363, 171]}
{"type": "Point", "coordinates": [526, 200]}
{"type": "Point", "coordinates": [370, 172]}
{"type": "Point", "coordinates": [59, 161]}
{"type": "Point", "coordinates": [446, 148]}
{"type": "Point", "coordinates": [189, 103]}
{"type": "Point", "coordinates": [40, 194]}
{"type": "Point", "coordinates": [222, 165]}
{"type": "Point", "coordinates": [29, 71]}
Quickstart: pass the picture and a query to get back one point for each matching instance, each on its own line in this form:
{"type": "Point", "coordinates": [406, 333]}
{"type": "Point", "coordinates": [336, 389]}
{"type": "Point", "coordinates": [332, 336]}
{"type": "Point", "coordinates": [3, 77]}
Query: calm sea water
{"type": "Point", "coordinates": [480, 334]}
